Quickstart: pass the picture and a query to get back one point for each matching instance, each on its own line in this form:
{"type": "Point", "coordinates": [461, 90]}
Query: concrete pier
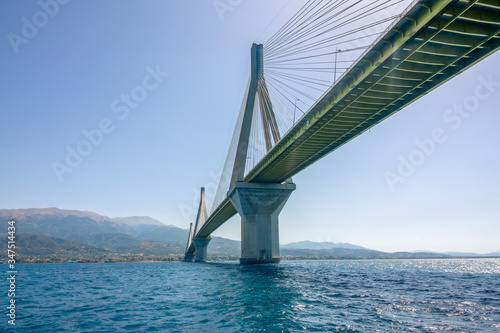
{"type": "Point", "coordinates": [259, 206]}
{"type": "Point", "coordinates": [201, 245]}
{"type": "Point", "coordinates": [189, 257]}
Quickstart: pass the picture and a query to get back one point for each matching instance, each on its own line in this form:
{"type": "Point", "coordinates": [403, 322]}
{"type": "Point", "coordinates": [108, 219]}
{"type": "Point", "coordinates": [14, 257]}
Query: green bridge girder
{"type": "Point", "coordinates": [434, 41]}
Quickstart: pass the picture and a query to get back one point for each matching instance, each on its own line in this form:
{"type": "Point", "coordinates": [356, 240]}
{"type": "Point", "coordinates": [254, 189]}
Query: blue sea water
{"type": "Point", "coordinates": [455, 295]}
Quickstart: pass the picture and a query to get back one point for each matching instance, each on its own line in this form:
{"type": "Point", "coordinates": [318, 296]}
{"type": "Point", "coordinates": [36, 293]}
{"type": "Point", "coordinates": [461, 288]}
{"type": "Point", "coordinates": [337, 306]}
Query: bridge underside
{"type": "Point", "coordinates": [427, 47]}
{"type": "Point", "coordinates": [433, 42]}
{"type": "Point", "coordinates": [223, 213]}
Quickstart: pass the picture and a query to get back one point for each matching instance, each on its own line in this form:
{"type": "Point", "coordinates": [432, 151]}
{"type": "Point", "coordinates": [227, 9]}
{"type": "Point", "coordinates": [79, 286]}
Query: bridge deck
{"type": "Point", "coordinates": [223, 213]}
{"type": "Point", "coordinates": [434, 41]}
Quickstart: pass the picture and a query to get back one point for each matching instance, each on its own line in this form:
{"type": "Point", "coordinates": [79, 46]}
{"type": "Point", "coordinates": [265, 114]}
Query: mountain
{"type": "Point", "coordinates": [22, 213]}
{"type": "Point", "coordinates": [470, 254]}
{"type": "Point", "coordinates": [70, 233]}
{"type": "Point", "coordinates": [308, 249]}
{"type": "Point", "coordinates": [463, 254]}
{"type": "Point", "coordinates": [90, 227]}
{"type": "Point", "coordinates": [48, 233]}
{"type": "Point", "coordinates": [344, 253]}
{"type": "Point", "coordinates": [332, 253]}
{"type": "Point", "coordinates": [167, 234]}
{"type": "Point", "coordinates": [308, 245]}
{"type": "Point", "coordinates": [329, 250]}
{"type": "Point", "coordinates": [137, 220]}
{"type": "Point", "coordinates": [66, 224]}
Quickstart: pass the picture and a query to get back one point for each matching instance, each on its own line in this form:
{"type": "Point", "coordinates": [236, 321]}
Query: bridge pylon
{"type": "Point", "coordinates": [196, 248]}
{"type": "Point", "coordinates": [258, 204]}
{"type": "Point", "coordinates": [189, 257]}
{"type": "Point", "coordinates": [201, 244]}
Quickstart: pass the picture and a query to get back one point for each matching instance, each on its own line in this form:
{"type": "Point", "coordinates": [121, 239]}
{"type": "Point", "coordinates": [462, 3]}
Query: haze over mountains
{"type": "Point", "coordinates": [43, 233]}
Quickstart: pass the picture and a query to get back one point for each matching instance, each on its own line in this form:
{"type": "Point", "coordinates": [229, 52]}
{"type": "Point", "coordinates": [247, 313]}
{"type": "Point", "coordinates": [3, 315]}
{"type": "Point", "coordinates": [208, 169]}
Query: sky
{"type": "Point", "coordinates": [72, 137]}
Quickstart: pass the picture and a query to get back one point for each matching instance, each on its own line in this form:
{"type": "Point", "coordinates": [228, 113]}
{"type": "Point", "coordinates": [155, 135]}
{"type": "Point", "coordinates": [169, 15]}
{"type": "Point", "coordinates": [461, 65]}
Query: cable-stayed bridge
{"type": "Point", "coordinates": [302, 102]}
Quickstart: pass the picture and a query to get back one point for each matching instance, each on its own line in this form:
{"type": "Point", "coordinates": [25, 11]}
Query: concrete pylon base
{"type": "Point", "coordinates": [259, 206]}
{"type": "Point", "coordinates": [255, 261]}
{"type": "Point", "coordinates": [201, 245]}
{"type": "Point", "coordinates": [189, 257]}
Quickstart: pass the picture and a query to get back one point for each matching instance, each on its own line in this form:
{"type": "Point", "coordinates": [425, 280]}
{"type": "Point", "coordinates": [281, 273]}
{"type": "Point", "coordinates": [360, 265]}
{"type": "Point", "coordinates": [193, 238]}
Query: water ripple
{"type": "Point", "coordinates": [322, 296]}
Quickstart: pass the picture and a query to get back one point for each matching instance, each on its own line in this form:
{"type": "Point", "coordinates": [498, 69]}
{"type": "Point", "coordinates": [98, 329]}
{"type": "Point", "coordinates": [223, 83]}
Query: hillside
{"type": "Point", "coordinates": [51, 232]}
{"type": "Point", "coordinates": [36, 246]}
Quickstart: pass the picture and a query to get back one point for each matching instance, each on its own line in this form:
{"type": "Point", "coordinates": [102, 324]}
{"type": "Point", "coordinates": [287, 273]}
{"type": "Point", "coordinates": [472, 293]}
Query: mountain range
{"type": "Point", "coordinates": [55, 234]}
{"type": "Point", "coordinates": [308, 245]}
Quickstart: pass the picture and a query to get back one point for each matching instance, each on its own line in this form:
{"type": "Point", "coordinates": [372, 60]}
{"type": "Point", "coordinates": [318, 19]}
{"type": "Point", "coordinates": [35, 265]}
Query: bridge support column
{"type": "Point", "coordinates": [259, 206]}
{"type": "Point", "coordinates": [201, 244]}
{"type": "Point", "coordinates": [189, 257]}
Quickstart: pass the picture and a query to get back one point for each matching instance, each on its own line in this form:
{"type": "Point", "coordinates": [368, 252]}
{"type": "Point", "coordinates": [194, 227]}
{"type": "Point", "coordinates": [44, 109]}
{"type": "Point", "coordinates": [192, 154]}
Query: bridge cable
{"type": "Point", "coordinates": [368, 11]}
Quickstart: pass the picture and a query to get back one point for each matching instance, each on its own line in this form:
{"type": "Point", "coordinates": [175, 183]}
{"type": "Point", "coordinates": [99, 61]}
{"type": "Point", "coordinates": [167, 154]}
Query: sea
{"type": "Point", "coordinates": [435, 295]}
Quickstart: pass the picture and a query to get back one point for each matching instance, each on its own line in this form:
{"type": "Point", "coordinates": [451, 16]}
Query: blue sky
{"type": "Point", "coordinates": [73, 75]}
